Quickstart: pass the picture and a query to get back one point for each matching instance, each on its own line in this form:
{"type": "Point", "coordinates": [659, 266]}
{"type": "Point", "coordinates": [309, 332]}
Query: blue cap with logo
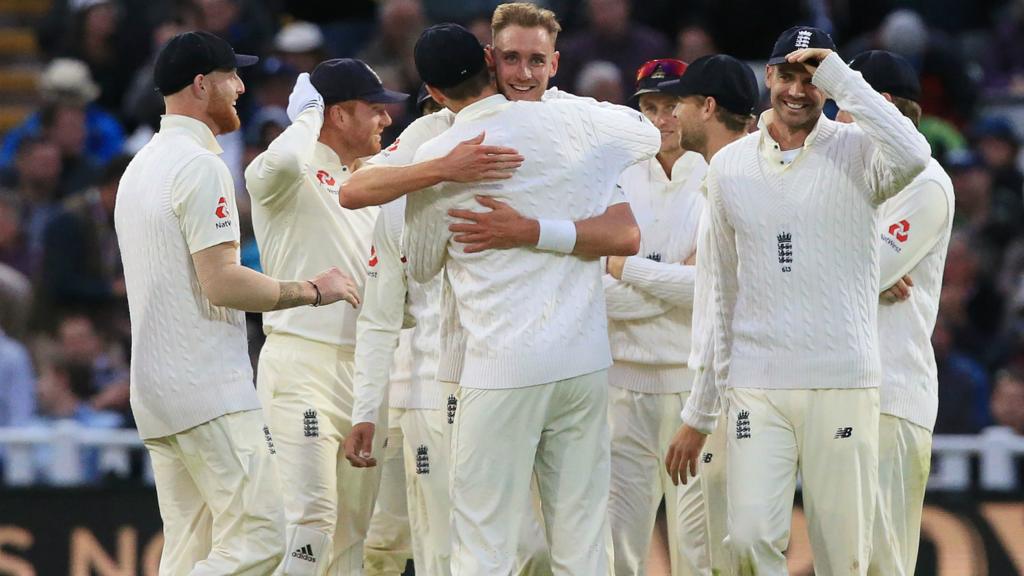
{"type": "Point", "coordinates": [799, 37]}
{"type": "Point", "coordinates": [341, 79]}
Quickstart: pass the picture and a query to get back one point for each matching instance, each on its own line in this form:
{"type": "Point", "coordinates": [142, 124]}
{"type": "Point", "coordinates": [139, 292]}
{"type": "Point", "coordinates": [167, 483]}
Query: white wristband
{"type": "Point", "coordinates": [557, 236]}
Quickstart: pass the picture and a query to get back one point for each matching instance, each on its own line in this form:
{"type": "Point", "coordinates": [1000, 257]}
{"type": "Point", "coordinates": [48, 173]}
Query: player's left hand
{"type": "Point", "coordinates": [359, 445]}
{"type": "Point", "coordinates": [615, 265]}
{"type": "Point", "coordinates": [899, 291]}
{"type": "Point", "coordinates": [683, 453]}
{"type": "Point", "coordinates": [500, 228]}
{"type": "Point", "coordinates": [811, 58]}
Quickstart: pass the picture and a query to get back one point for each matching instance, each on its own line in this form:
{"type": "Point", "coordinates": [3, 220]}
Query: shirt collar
{"type": "Point", "coordinates": [681, 170]}
{"type": "Point", "coordinates": [324, 155]}
{"type": "Point", "coordinates": [197, 130]}
{"type": "Point", "coordinates": [481, 107]}
{"type": "Point", "coordinates": [771, 150]}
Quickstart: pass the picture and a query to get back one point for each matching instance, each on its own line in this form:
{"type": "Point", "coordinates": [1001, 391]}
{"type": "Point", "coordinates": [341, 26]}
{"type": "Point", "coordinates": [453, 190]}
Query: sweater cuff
{"type": "Point", "coordinates": [703, 422]}
{"type": "Point", "coordinates": [831, 74]}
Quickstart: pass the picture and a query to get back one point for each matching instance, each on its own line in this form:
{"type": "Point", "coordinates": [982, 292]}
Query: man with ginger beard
{"type": "Point", "coordinates": [307, 366]}
{"type": "Point", "coordinates": [191, 381]}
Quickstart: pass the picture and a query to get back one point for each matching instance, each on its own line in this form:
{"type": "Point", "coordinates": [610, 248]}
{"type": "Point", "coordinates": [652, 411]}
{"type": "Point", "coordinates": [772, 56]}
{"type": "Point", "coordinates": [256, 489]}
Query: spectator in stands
{"type": "Point", "coordinates": [300, 45]}
{"type": "Point", "coordinates": [1008, 399]}
{"type": "Point", "coordinates": [67, 82]}
{"type": "Point", "coordinates": [81, 266]}
{"type": "Point", "coordinates": [62, 390]}
{"type": "Point", "coordinates": [947, 90]}
{"type": "Point", "coordinates": [142, 105]}
{"type": "Point", "coordinates": [991, 217]}
{"type": "Point", "coordinates": [64, 125]}
{"type": "Point", "coordinates": [963, 386]}
{"type": "Point", "coordinates": [390, 51]}
{"type": "Point", "coordinates": [246, 24]}
{"type": "Point", "coordinates": [81, 343]}
{"type": "Point", "coordinates": [969, 303]}
{"type": "Point", "coordinates": [13, 244]}
{"type": "Point", "coordinates": [17, 383]}
{"type": "Point", "coordinates": [614, 37]}
{"type": "Point", "coordinates": [601, 81]}
{"type": "Point", "coordinates": [1004, 64]}
{"type": "Point", "coordinates": [996, 141]}
{"type": "Point", "coordinates": [694, 41]}
{"type": "Point", "coordinates": [35, 180]}
{"type": "Point", "coordinates": [96, 36]}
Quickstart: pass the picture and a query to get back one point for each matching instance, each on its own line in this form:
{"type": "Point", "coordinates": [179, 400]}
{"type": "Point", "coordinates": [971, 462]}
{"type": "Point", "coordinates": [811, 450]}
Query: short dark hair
{"type": "Point", "coordinates": [733, 122]}
{"type": "Point", "coordinates": [470, 87]}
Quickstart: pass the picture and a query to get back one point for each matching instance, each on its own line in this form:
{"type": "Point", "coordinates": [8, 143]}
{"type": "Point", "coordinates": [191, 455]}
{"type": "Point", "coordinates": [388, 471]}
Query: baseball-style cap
{"type": "Point", "coordinates": [888, 72]}
{"type": "Point", "coordinates": [799, 37]}
{"type": "Point", "coordinates": [448, 54]}
{"type": "Point", "coordinates": [730, 81]}
{"type": "Point", "coordinates": [192, 53]}
{"type": "Point", "coordinates": [422, 97]}
{"type": "Point", "coordinates": [341, 79]}
{"type": "Point", "coordinates": [654, 72]}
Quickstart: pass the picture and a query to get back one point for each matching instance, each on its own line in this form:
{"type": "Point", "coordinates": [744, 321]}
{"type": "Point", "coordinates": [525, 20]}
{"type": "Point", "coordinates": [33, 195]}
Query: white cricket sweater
{"type": "Point", "coordinates": [302, 229]}
{"type": "Point", "coordinates": [795, 245]}
{"type": "Point", "coordinates": [531, 317]}
{"type": "Point", "coordinates": [190, 359]}
{"type": "Point", "coordinates": [915, 229]}
{"type": "Point", "coordinates": [393, 300]}
{"type": "Point", "coordinates": [651, 305]}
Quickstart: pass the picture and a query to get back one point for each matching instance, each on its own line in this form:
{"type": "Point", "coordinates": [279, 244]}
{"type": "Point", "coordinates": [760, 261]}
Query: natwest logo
{"type": "Point", "coordinates": [222, 208]}
{"type": "Point", "coordinates": [394, 145]}
{"type": "Point", "coordinates": [325, 178]}
{"type": "Point", "coordinates": [373, 256]}
{"type": "Point", "coordinates": [900, 230]}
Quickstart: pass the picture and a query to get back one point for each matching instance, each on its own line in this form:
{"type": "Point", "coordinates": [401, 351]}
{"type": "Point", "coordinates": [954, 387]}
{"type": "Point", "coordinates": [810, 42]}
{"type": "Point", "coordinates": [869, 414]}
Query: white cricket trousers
{"type": "Point", "coordinates": [904, 462]}
{"type": "Point", "coordinates": [559, 431]}
{"type": "Point", "coordinates": [711, 473]}
{"type": "Point", "coordinates": [388, 544]}
{"type": "Point", "coordinates": [219, 498]}
{"type": "Point", "coordinates": [642, 427]}
{"type": "Point", "coordinates": [306, 389]}
{"type": "Point", "coordinates": [831, 437]}
{"type": "Point", "coordinates": [427, 449]}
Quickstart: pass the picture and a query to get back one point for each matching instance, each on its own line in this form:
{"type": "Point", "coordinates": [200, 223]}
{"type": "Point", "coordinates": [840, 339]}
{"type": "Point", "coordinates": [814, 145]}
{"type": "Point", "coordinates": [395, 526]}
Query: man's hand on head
{"type": "Point", "coordinates": [473, 161]}
{"type": "Point", "coordinates": [499, 228]}
{"type": "Point", "coordinates": [811, 58]}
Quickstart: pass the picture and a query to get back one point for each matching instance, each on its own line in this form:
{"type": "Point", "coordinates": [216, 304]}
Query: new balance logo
{"type": "Point", "coordinates": [785, 241]}
{"type": "Point", "coordinates": [453, 403]}
{"type": "Point", "coordinates": [655, 256]}
{"type": "Point", "coordinates": [707, 457]}
{"type": "Point", "coordinates": [304, 553]}
{"type": "Point", "coordinates": [422, 460]}
{"type": "Point", "coordinates": [743, 425]}
{"type": "Point", "coordinates": [843, 433]}
{"type": "Point", "coordinates": [310, 424]}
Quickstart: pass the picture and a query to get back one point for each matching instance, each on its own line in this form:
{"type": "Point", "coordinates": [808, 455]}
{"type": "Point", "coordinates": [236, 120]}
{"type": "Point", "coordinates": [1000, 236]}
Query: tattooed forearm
{"type": "Point", "coordinates": [294, 294]}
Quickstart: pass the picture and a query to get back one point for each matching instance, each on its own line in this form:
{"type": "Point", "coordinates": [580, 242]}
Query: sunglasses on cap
{"type": "Point", "coordinates": [660, 69]}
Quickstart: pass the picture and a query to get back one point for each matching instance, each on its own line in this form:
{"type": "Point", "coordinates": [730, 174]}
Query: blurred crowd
{"type": "Point", "coordinates": [64, 328]}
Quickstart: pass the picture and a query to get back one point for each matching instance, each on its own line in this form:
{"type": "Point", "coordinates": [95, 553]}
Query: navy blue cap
{"type": "Point", "coordinates": [964, 159]}
{"type": "Point", "coordinates": [888, 72]}
{"type": "Point", "coordinates": [799, 37]}
{"type": "Point", "coordinates": [447, 55]}
{"type": "Point", "coordinates": [192, 53]}
{"type": "Point", "coordinates": [341, 79]}
{"type": "Point", "coordinates": [422, 97]}
{"type": "Point", "coordinates": [996, 127]}
{"type": "Point", "coordinates": [731, 82]}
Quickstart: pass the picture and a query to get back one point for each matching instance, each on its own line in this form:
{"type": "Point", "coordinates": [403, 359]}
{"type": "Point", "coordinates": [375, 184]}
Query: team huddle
{"type": "Point", "coordinates": [495, 345]}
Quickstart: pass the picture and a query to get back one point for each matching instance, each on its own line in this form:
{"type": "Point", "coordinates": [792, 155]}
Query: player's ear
{"type": "Point", "coordinates": [198, 87]}
{"type": "Point", "coordinates": [709, 107]}
{"type": "Point", "coordinates": [554, 63]}
{"type": "Point", "coordinates": [489, 56]}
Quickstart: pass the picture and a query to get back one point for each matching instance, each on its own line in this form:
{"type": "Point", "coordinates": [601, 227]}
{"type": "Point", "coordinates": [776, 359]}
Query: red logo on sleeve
{"type": "Point", "coordinates": [394, 145]}
{"type": "Point", "coordinates": [222, 208]}
{"type": "Point", "coordinates": [325, 178]}
{"type": "Point", "coordinates": [900, 230]}
{"type": "Point", "coordinates": [373, 256]}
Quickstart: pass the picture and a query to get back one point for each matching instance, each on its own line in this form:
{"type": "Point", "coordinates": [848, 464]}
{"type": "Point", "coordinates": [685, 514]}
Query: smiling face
{"type": "Point", "coordinates": [223, 89]}
{"type": "Point", "coordinates": [659, 109]}
{"type": "Point", "coordinates": [690, 118]}
{"type": "Point", "coordinates": [797, 103]}
{"type": "Point", "coordinates": [524, 61]}
{"type": "Point", "coordinates": [361, 124]}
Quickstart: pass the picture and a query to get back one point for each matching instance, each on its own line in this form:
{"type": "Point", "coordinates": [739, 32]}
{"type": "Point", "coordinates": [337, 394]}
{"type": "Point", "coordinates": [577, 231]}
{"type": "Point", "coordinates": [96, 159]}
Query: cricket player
{"type": "Point", "coordinates": [649, 298]}
{"type": "Point", "coordinates": [307, 366]}
{"type": "Point", "coordinates": [915, 227]}
{"type": "Point", "coordinates": [717, 96]}
{"type": "Point", "coordinates": [794, 214]}
{"type": "Point", "coordinates": [533, 394]}
{"type": "Point", "coordinates": [191, 384]}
